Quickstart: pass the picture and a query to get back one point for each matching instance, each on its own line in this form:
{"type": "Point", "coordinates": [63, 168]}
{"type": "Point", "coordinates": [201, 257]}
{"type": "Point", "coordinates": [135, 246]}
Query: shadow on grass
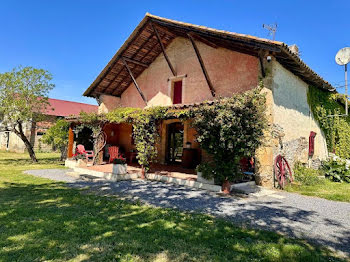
{"type": "Point", "coordinates": [52, 222]}
{"type": "Point", "coordinates": [28, 162]}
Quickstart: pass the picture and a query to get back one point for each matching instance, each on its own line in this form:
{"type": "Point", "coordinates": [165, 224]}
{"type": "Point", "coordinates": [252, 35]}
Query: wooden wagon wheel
{"type": "Point", "coordinates": [283, 173]}
{"type": "Point", "coordinates": [99, 144]}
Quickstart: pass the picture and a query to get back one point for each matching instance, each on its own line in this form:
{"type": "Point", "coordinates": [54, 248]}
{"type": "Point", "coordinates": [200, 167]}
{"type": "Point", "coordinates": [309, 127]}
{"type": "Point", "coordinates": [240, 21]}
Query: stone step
{"type": "Point", "coordinates": [73, 174]}
{"type": "Point", "coordinates": [90, 178]}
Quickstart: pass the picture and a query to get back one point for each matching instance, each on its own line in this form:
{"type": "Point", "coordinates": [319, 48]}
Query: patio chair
{"type": "Point", "coordinates": [247, 166]}
{"type": "Point", "coordinates": [114, 153]}
{"type": "Point", "coordinates": [80, 150]}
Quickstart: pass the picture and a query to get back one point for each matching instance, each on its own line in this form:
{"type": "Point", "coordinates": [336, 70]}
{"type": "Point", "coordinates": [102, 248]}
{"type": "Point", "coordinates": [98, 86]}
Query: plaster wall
{"type": "Point", "coordinates": [108, 103]}
{"type": "Point", "coordinates": [292, 117]}
{"type": "Point", "coordinates": [229, 71]}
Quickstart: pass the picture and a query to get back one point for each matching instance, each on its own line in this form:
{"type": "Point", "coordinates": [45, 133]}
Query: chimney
{"type": "Point", "coordinates": [294, 49]}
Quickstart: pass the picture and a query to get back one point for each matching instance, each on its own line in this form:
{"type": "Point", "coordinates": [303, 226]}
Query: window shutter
{"type": "Point", "coordinates": [177, 92]}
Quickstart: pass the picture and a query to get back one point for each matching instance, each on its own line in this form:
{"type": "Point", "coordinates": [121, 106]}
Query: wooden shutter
{"type": "Point", "coordinates": [177, 92]}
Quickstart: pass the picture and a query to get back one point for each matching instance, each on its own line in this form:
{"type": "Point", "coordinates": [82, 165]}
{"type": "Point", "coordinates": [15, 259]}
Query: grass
{"type": "Point", "coordinates": [328, 190]}
{"type": "Point", "coordinates": [309, 183]}
{"type": "Point", "coordinates": [42, 220]}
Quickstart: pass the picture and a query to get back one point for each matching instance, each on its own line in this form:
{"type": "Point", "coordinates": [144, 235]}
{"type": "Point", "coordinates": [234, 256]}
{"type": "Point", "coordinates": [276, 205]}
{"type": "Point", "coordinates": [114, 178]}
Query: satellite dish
{"type": "Point", "coordinates": [343, 56]}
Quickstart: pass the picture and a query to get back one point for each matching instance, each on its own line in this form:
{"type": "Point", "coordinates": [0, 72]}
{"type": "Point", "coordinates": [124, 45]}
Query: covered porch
{"type": "Point", "coordinates": [177, 148]}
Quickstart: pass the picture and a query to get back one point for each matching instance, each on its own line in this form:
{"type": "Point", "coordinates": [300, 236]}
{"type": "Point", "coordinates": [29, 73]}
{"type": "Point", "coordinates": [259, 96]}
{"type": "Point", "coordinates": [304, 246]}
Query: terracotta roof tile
{"type": "Point", "coordinates": [66, 108]}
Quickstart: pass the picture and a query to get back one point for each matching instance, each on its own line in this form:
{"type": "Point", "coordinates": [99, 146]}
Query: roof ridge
{"type": "Point", "coordinates": [214, 29]}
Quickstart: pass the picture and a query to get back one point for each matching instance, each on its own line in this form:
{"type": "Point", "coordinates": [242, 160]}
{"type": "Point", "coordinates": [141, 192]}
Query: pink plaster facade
{"type": "Point", "coordinates": [229, 71]}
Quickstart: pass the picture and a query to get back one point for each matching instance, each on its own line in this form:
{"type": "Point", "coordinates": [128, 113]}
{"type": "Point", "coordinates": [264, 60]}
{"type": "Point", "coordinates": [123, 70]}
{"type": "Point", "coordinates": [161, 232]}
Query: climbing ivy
{"type": "Point", "coordinates": [336, 129]}
{"type": "Point", "coordinates": [239, 121]}
{"type": "Point", "coordinates": [92, 121]}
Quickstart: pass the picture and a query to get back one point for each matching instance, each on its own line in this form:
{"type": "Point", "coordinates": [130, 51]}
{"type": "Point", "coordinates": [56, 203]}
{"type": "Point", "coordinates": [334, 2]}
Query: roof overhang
{"type": "Point", "coordinates": [142, 48]}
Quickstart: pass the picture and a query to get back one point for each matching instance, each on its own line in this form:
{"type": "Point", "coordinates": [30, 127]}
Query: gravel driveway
{"type": "Point", "coordinates": [318, 220]}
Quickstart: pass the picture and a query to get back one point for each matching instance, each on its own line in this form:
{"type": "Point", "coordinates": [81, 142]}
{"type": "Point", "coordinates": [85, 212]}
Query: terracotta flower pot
{"type": "Point", "coordinates": [226, 187]}
{"type": "Point", "coordinates": [143, 176]}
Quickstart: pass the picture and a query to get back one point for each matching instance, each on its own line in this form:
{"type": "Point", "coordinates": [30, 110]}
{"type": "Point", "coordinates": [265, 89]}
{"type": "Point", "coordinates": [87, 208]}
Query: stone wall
{"type": "Point", "coordinates": [34, 134]}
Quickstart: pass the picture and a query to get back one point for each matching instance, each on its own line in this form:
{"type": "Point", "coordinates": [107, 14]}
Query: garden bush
{"type": "Point", "coordinates": [307, 176]}
{"type": "Point", "coordinates": [230, 129]}
{"type": "Point", "coordinates": [336, 170]}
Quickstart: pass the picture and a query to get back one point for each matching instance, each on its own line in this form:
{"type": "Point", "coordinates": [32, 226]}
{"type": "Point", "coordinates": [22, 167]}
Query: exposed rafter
{"type": "Point", "coordinates": [200, 60]}
{"type": "Point", "coordinates": [204, 40]}
{"type": "Point", "coordinates": [134, 61]}
{"type": "Point", "coordinates": [134, 80]}
{"type": "Point", "coordinates": [117, 74]}
{"type": "Point", "coordinates": [152, 36]}
{"type": "Point", "coordinates": [147, 53]}
{"type": "Point", "coordinates": [163, 50]}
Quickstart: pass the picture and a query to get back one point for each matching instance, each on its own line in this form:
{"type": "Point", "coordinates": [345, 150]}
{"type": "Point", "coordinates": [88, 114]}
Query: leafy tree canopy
{"type": "Point", "coordinates": [23, 96]}
{"type": "Point", "coordinates": [57, 136]}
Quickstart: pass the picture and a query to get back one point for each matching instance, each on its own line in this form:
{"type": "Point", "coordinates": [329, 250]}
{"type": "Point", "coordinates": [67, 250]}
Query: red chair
{"type": "Point", "coordinates": [114, 153]}
{"type": "Point", "coordinates": [80, 150]}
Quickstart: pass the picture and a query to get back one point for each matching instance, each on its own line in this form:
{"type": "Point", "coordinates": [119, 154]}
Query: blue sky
{"type": "Point", "coordinates": [74, 40]}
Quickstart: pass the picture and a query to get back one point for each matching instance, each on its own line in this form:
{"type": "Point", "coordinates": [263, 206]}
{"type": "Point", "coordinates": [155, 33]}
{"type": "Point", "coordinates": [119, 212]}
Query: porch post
{"type": "Point", "coordinates": [70, 142]}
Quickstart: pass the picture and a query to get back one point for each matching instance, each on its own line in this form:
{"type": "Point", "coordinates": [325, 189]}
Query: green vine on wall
{"type": "Point", "coordinates": [234, 124]}
{"type": "Point", "coordinates": [336, 129]}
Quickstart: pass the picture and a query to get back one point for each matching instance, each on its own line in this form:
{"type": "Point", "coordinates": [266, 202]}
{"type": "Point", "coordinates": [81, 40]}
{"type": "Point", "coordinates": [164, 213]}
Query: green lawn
{"type": "Point", "coordinates": [41, 220]}
{"type": "Point", "coordinates": [328, 190]}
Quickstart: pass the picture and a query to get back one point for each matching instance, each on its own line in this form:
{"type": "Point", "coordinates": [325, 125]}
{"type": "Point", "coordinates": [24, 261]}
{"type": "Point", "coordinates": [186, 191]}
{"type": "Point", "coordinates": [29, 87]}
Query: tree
{"type": "Point", "coordinates": [57, 136]}
{"type": "Point", "coordinates": [23, 98]}
{"type": "Point", "coordinates": [230, 129]}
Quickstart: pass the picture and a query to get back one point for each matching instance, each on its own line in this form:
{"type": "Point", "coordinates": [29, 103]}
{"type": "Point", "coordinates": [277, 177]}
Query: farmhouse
{"type": "Point", "coordinates": [180, 65]}
{"type": "Point", "coordinates": [34, 131]}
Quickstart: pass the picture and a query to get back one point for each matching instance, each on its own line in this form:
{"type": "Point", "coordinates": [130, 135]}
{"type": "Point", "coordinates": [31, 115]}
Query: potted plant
{"type": "Point", "coordinates": [119, 166]}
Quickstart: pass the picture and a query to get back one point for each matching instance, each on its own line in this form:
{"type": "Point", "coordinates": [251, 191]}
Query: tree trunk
{"type": "Point", "coordinates": [26, 142]}
{"type": "Point", "coordinates": [63, 150]}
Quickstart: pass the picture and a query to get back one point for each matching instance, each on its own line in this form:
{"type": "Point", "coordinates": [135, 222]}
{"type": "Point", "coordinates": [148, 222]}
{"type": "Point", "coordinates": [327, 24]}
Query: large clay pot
{"type": "Point", "coordinates": [226, 187]}
{"type": "Point", "coordinates": [143, 176]}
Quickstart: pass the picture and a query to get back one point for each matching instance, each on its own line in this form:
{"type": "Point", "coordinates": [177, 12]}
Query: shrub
{"type": "Point", "coordinates": [307, 176]}
{"type": "Point", "coordinates": [230, 129]}
{"type": "Point", "coordinates": [206, 169]}
{"type": "Point", "coordinates": [57, 136]}
{"type": "Point", "coordinates": [336, 170]}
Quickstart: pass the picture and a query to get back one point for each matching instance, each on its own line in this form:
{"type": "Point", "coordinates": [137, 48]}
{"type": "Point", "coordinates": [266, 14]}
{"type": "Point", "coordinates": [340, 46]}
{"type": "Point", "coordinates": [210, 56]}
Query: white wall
{"type": "Point", "coordinates": [292, 112]}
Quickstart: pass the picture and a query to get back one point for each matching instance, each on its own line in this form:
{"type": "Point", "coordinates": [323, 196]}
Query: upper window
{"type": "Point", "coordinates": [177, 92]}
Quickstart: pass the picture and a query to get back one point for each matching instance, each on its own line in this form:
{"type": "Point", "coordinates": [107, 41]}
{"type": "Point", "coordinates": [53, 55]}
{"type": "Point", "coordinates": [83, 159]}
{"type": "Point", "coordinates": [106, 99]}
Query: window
{"type": "Point", "coordinates": [177, 92]}
{"type": "Point", "coordinates": [177, 89]}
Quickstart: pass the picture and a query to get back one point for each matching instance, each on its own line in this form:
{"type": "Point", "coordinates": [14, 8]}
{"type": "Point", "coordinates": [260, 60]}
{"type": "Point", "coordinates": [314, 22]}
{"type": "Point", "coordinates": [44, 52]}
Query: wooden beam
{"type": "Point", "coordinates": [115, 61]}
{"type": "Point", "coordinates": [206, 75]}
{"type": "Point", "coordinates": [117, 74]}
{"type": "Point", "coordinates": [163, 50]}
{"type": "Point", "coordinates": [147, 53]}
{"type": "Point", "coordinates": [70, 142]}
{"type": "Point", "coordinates": [134, 61]}
{"type": "Point", "coordinates": [204, 40]}
{"type": "Point", "coordinates": [134, 80]}
{"type": "Point", "coordinates": [248, 42]}
{"type": "Point", "coordinates": [261, 59]}
{"type": "Point", "coordinates": [164, 29]}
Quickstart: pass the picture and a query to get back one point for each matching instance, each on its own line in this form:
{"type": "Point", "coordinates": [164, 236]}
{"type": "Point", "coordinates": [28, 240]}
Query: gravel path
{"type": "Point", "coordinates": [53, 174]}
{"type": "Point", "coordinates": [318, 220]}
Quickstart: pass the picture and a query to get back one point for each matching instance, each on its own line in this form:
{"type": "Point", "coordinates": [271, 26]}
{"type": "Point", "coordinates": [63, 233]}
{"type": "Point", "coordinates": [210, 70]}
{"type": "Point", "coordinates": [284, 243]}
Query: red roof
{"type": "Point", "coordinates": [66, 108]}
